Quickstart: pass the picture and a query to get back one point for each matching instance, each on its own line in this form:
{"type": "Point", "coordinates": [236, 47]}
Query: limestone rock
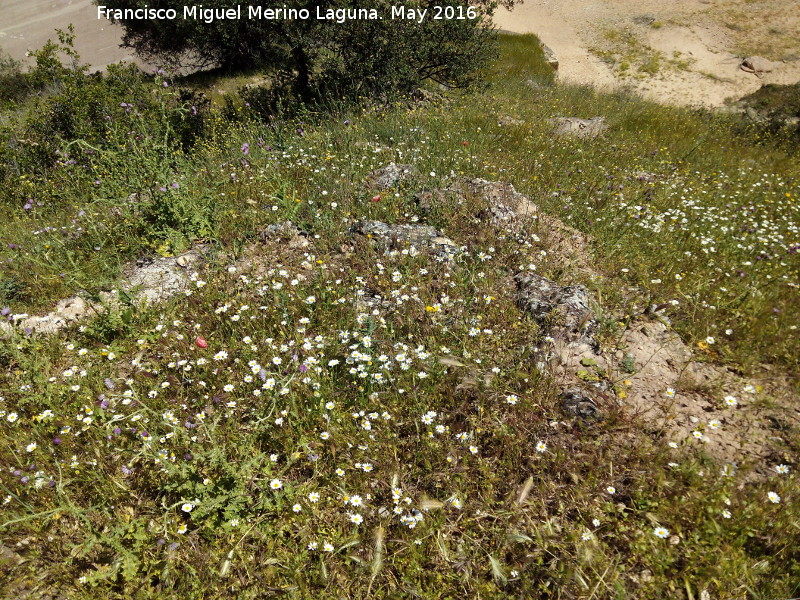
{"type": "Point", "coordinates": [427, 199]}
{"type": "Point", "coordinates": [579, 128]}
{"type": "Point", "coordinates": [506, 121]}
{"type": "Point", "coordinates": [563, 309]}
{"type": "Point", "coordinates": [390, 176]}
{"type": "Point", "coordinates": [550, 56]}
{"type": "Point", "coordinates": [645, 20]}
{"type": "Point", "coordinates": [155, 279]}
{"type": "Point", "coordinates": [495, 193]}
{"type": "Point", "coordinates": [577, 403]}
{"type": "Point", "coordinates": [146, 279]}
{"type": "Point", "coordinates": [513, 212]}
{"type": "Point", "coordinates": [756, 65]}
{"type": "Point", "coordinates": [397, 237]}
{"type": "Point", "coordinates": [285, 230]}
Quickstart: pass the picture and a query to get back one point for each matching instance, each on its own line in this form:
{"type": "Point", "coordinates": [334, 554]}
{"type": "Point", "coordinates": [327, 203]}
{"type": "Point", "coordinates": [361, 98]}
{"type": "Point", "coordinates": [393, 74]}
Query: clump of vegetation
{"type": "Point", "coordinates": [13, 82]}
{"type": "Point", "coordinates": [629, 56]}
{"type": "Point", "coordinates": [774, 111]}
{"type": "Point", "coordinates": [342, 421]}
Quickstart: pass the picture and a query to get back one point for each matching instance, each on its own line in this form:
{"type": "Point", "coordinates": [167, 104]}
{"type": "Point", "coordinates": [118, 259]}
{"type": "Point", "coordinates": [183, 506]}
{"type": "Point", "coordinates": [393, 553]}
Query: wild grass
{"type": "Point", "coordinates": [623, 48]}
{"type": "Point", "coordinates": [349, 424]}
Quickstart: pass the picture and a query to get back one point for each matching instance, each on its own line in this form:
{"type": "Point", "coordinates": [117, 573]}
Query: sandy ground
{"type": "Point", "coordinates": [699, 44]}
{"type": "Point", "coordinates": [27, 24]}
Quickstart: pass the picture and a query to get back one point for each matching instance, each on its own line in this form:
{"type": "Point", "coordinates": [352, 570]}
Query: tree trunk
{"type": "Point", "coordinates": [303, 74]}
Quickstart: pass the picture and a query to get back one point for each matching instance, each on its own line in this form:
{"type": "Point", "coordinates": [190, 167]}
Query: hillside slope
{"type": "Point", "coordinates": [532, 341]}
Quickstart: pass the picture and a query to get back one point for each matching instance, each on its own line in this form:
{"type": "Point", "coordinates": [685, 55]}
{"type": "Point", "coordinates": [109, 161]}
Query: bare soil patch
{"type": "Point", "coordinates": [27, 25]}
{"type": "Point", "coordinates": [686, 52]}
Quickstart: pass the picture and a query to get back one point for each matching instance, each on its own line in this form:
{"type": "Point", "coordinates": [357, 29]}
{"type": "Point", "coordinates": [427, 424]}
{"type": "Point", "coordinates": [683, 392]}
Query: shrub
{"type": "Point", "coordinates": [107, 118]}
{"type": "Point", "coordinates": [13, 83]}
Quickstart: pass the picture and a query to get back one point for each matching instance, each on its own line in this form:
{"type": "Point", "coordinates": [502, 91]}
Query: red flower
{"type": "Point", "coordinates": [200, 342]}
{"type": "Point", "coordinates": [375, 198]}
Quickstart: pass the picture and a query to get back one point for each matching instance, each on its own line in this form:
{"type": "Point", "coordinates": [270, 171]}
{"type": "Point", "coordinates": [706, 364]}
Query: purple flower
{"type": "Point", "coordinates": [57, 441]}
{"type": "Point", "coordinates": [303, 368]}
{"type": "Point", "coordinates": [245, 148]}
{"type": "Point", "coordinates": [5, 312]}
{"type": "Point", "coordinates": [117, 430]}
{"type": "Point", "coordinates": [175, 185]}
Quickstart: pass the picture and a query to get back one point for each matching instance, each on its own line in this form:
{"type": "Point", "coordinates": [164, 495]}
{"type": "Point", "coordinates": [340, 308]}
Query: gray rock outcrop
{"type": "Point", "coordinates": [390, 176]}
{"type": "Point", "coordinates": [396, 237]}
{"type": "Point", "coordinates": [579, 128]}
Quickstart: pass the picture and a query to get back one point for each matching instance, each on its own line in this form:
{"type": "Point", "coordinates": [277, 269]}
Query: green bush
{"type": "Point", "coordinates": [177, 217]}
{"type": "Point", "coordinates": [13, 83]}
{"type": "Point", "coordinates": [101, 122]}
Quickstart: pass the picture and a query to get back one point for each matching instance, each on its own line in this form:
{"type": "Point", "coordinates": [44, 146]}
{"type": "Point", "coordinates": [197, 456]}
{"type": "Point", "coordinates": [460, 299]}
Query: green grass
{"type": "Point", "coordinates": [677, 204]}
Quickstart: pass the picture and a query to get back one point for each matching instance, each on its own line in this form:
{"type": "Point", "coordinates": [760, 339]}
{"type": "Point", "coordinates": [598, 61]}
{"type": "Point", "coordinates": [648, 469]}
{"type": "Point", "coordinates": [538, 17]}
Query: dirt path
{"type": "Point", "coordinates": [28, 24]}
{"type": "Point", "coordinates": [677, 52]}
